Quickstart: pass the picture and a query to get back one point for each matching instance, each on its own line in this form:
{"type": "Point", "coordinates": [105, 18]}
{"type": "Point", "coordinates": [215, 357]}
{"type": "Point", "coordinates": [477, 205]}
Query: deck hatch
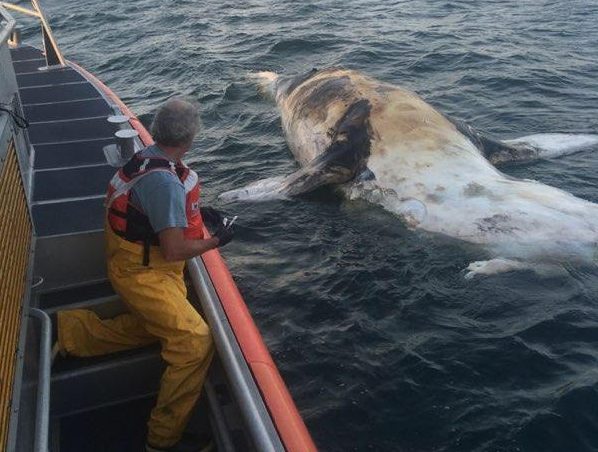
{"type": "Point", "coordinates": [15, 242]}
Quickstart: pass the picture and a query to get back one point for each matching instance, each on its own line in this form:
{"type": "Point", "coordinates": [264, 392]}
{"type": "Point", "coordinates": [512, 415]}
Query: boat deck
{"type": "Point", "coordinates": [103, 403]}
{"type": "Point", "coordinates": [68, 130]}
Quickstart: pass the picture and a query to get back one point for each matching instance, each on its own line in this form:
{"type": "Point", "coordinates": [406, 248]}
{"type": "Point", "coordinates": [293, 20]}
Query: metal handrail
{"type": "Point", "coordinates": [253, 411]}
{"type": "Point", "coordinates": [42, 417]}
{"type": "Point", "coordinates": [8, 28]}
{"type": "Point", "coordinates": [53, 54]}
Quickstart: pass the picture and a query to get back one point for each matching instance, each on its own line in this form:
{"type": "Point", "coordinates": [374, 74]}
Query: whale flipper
{"type": "Point", "coordinates": [321, 171]}
{"type": "Point", "coordinates": [343, 160]}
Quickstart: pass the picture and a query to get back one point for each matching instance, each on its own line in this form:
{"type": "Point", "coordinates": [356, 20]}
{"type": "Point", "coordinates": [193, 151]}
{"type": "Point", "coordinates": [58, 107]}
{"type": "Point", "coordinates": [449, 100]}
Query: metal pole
{"type": "Point", "coordinates": [19, 9]}
{"type": "Point", "coordinates": [8, 27]}
{"type": "Point", "coordinates": [53, 54]}
{"type": "Point", "coordinates": [42, 417]}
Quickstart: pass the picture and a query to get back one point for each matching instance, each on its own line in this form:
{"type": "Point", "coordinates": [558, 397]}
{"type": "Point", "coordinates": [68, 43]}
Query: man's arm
{"type": "Point", "coordinates": [175, 247]}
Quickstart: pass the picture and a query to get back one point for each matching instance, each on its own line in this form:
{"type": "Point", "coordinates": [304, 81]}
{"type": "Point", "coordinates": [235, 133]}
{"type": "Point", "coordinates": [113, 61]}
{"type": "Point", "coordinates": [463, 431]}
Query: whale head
{"type": "Point", "coordinates": [278, 87]}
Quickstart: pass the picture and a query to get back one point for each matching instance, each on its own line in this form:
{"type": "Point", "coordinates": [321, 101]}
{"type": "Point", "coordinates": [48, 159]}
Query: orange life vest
{"type": "Point", "coordinates": [128, 220]}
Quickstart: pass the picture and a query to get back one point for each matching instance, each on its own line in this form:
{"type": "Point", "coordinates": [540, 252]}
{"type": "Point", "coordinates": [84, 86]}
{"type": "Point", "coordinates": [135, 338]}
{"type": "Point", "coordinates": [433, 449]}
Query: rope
{"type": "Point", "coordinates": [19, 120]}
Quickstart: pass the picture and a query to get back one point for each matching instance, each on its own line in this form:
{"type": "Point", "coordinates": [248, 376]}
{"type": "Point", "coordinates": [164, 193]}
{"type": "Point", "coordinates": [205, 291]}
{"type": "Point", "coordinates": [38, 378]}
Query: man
{"type": "Point", "coordinates": [153, 225]}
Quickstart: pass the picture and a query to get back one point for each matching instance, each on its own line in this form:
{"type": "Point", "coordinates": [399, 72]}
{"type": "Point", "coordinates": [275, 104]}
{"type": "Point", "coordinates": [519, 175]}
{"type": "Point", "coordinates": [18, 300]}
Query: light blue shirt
{"type": "Point", "coordinates": [160, 195]}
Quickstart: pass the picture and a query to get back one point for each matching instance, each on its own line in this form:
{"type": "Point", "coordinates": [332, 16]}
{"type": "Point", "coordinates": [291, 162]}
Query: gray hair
{"type": "Point", "coordinates": [176, 122]}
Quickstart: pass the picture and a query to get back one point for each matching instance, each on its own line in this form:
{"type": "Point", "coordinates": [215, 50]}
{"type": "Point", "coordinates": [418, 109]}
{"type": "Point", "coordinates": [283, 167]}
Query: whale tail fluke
{"type": "Point", "coordinates": [501, 265]}
{"type": "Point", "coordinates": [549, 145]}
{"type": "Point", "coordinates": [530, 147]}
{"type": "Point", "coordinates": [266, 82]}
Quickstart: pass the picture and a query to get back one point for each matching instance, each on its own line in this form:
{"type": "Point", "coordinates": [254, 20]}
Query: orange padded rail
{"type": "Point", "coordinates": [15, 242]}
{"type": "Point", "coordinates": [291, 428]}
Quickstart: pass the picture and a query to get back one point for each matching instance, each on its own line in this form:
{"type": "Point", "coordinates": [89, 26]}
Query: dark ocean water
{"type": "Point", "coordinates": [383, 343]}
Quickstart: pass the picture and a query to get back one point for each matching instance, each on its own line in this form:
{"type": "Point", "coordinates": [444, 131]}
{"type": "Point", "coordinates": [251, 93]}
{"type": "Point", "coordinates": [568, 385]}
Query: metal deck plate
{"type": "Point", "coordinates": [70, 154]}
{"type": "Point", "coordinates": [71, 183]}
{"type": "Point", "coordinates": [53, 77]}
{"type": "Point", "coordinates": [25, 66]}
{"type": "Point", "coordinates": [71, 130]}
{"type": "Point", "coordinates": [68, 131]}
{"type": "Point", "coordinates": [25, 53]}
{"type": "Point", "coordinates": [68, 217]}
{"type": "Point", "coordinates": [58, 93]}
{"type": "Point", "coordinates": [67, 110]}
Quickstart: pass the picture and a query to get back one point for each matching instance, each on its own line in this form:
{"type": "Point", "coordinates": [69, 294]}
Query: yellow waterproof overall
{"type": "Point", "coordinates": [159, 311]}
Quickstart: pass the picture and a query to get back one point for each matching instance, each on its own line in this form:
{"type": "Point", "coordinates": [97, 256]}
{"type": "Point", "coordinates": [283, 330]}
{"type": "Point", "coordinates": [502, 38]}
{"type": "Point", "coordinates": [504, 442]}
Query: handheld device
{"type": "Point", "coordinates": [227, 223]}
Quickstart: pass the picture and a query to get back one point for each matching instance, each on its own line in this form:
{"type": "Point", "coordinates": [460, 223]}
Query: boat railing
{"type": "Point", "coordinates": [7, 25]}
{"type": "Point", "coordinates": [42, 417]}
{"type": "Point", "coordinates": [255, 414]}
{"type": "Point", "coordinates": [51, 50]}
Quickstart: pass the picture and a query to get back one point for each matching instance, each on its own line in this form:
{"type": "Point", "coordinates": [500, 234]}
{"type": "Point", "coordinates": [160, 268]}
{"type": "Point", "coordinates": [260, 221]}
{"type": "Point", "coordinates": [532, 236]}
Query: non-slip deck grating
{"type": "Point", "coordinates": [74, 130]}
{"type": "Point", "coordinates": [77, 153]}
{"type": "Point", "coordinates": [67, 110]}
{"type": "Point", "coordinates": [26, 66]}
{"type": "Point", "coordinates": [15, 241]}
{"type": "Point", "coordinates": [45, 78]}
{"type": "Point", "coordinates": [25, 53]}
{"type": "Point", "coordinates": [58, 93]}
{"type": "Point", "coordinates": [71, 183]}
{"type": "Point", "coordinates": [69, 217]}
{"type": "Point", "coordinates": [68, 130]}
